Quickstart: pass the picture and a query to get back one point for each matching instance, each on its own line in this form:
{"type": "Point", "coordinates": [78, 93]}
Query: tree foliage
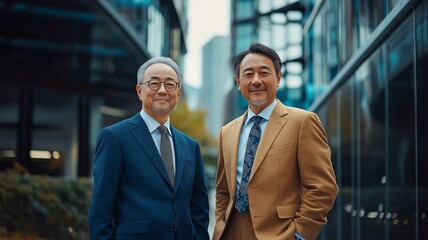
{"type": "Point", "coordinates": [192, 123]}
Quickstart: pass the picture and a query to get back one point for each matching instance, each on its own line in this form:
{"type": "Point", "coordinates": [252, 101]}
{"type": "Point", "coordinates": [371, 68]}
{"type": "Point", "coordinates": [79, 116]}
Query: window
{"type": "Point", "coordinates": [9, 99]}
{"type": "Point", "coordinates": [54, 149]}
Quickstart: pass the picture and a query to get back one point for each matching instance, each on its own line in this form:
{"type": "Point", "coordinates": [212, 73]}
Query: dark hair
{"type": "Point", "coordinates": [260, 49]}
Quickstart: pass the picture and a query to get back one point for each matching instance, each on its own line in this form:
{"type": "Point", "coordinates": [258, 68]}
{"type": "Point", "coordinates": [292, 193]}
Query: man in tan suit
{"type": "Point", "coordinates": [274, 178]}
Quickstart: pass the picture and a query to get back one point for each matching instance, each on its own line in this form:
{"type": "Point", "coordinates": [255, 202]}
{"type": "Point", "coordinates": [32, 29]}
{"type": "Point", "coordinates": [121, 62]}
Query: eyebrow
{"type": "Point", "coordinates": [252, 68]}
{"type": "Point", "coordinates": [157, 77]}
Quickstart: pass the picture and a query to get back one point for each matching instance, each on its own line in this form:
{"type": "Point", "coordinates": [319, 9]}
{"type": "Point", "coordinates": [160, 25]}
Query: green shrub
{"type": "Point", "coordinates": [42, 207]}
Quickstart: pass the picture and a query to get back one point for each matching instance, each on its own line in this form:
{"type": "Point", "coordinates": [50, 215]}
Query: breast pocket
{"type": "Point", "coordinates": [189, 169]}
{"type": "Point", "coordinates": [190, 164]}
{"type": "Point", "coordinates": [280, 149]}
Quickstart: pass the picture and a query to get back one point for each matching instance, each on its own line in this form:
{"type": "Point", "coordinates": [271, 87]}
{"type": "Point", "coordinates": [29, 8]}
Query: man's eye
{"type": "Point", "coordinates": [154, 84]}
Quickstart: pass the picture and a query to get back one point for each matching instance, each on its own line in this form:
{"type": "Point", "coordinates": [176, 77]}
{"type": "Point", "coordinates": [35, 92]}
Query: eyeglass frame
{"type": "Point", "coordinates": [160, 84]}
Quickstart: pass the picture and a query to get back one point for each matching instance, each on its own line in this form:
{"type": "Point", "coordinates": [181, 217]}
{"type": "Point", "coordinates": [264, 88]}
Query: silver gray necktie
{"type": "Point", "coordinates": [166, 152]}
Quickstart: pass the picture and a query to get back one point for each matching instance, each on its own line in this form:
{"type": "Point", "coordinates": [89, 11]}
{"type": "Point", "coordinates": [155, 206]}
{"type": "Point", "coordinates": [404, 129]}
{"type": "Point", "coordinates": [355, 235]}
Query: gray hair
{"type": "Point", "coordinates": [154, 60]}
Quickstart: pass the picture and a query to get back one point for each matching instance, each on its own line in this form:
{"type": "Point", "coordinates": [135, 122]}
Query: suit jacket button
{"type": "Point", "coordinates": [172, 228]}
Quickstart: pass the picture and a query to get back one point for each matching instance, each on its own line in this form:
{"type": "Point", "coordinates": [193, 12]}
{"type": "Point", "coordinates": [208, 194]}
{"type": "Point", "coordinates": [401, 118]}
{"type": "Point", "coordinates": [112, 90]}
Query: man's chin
{"type": "Point", "coordinates": [258, 102]}
{"type": "Point", "coordinates": [162, 109]}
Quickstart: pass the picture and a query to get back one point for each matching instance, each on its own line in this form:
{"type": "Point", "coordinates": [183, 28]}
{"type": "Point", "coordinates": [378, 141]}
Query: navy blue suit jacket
{"type": "Point", "coordinates": [133, 197]}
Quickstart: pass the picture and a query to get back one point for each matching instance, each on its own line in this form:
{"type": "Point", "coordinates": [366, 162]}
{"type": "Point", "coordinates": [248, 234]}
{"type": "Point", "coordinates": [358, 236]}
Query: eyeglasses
{"type": "Point", "coordinates": [169, 85]}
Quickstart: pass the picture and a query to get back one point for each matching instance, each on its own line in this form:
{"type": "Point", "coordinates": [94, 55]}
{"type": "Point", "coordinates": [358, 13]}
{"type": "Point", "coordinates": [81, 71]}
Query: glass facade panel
{"type": "Point", "coordinates": [329, 116]}
{"type": "Point", "coordinates": [392, 4]}
{"type": "Point", "coordinates": [378, 139]}
{"type": "Point", "coordinates": [245, 36]}
{"type": "Point", "coordinates": [370, 137]}
{"type": "Point", "coordinates": [421, 16]}
{"type": "Point", "coordinates": [308, 70]}
{"type": "Point", "coordinates": [9, 99]}
{"type": "Point", "coordinates": [332, 39]}
{"type": "Point", "coordinates": [320, 52]}
{"type": "Point", "coordinates": [156, 30]}
{"type": "Point", "coordinates": [152, 20]}
{"type": "Point", "coordinates": [244, 9]}
{"type": "Point", "coordinates": [400, 177]}
{"type": "Point", "coordinates": [264, 33]}
{"type": "Point", "coordinates": [370, 15]}
{"type": "Point", "coordinates": [347, 193]}
{"type": "Point", "coordinates": [379, 135]}
{"type": "Point", "coordinates": [136, 12]}
{"type": "Point", "coordinates": [347, 30]}
{"type": "Point", "coordinates": [55, 133]}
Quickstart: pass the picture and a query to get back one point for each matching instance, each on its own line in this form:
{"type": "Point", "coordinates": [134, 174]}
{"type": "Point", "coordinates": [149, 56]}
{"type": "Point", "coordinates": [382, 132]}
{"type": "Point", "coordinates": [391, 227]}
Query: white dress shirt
{"type": "Point", "coordinates": [153, 125]}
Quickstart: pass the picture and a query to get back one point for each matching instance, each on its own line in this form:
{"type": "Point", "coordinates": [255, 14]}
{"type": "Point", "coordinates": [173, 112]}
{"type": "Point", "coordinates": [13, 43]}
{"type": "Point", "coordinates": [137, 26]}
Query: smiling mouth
{"type": "Point", "coordinates": [257, 90]}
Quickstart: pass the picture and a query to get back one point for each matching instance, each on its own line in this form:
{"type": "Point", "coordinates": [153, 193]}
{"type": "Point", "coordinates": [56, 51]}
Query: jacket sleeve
{"type": "Point", "coordinates": [222, 190]}
{"type": "Point", "coordinates": [317, 178]}
{"type": "Point", "coordinates": [107, 173]}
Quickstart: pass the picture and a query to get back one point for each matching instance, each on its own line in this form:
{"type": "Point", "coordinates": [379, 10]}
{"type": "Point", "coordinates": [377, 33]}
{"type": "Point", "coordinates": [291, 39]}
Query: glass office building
{"type": "Point", "coordinates": [278, 24]}
{"type": "Point", "coordinates": [366, 76]}
{"type": "Point", "coordinates": [364, 71]}
{"type": "Point", "coordinates": [68, 68]}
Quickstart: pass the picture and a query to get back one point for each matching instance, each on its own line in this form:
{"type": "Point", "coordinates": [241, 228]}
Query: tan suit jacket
{"type": "Point", "coordinates": [292, 185]}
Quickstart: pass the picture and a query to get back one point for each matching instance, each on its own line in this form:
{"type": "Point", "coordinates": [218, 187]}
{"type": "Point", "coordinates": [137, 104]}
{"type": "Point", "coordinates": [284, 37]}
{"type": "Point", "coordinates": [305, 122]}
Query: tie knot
{"type": "Point", "coordinates": [163, 129]}
{"type": "Point", "coordinates": [257, 119]}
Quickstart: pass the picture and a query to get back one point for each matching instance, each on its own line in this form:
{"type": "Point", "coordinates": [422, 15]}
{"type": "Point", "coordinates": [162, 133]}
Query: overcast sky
{"type": "Point", "coordinates": [207, 18]}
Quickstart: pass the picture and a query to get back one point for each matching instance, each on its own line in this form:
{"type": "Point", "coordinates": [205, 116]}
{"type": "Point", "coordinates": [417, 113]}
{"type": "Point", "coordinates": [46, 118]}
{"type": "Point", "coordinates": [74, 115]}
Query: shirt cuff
{"type": "Point", "coordinates": [297, 236]}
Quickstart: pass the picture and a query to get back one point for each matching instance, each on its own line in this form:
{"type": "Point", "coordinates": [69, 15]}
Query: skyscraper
{"type": "Point", "coordinates": [217, 80]}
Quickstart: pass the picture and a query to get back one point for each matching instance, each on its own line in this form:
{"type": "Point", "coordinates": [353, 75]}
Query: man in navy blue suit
{"type": "Point", "coordinates": [148, 185]}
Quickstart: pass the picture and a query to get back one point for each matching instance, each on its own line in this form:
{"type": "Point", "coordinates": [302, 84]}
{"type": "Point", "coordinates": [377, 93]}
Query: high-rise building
{"type": "Point", "coordinates": [366, 76]}
{"type": "Point", "coordinates": [68, 68]}
{"type": "Point", "coordinates": [217, 80]}
{"type": "Point", "coordinates": [362, 66]}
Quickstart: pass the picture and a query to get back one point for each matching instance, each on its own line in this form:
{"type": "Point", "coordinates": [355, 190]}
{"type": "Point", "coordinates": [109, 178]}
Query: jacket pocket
{"type": "Point", "coordinates": [282, 149]}
{"type": "Point", "coordinates": [287, 211]}
{"type": "Point", "coordinates": [134, 227]}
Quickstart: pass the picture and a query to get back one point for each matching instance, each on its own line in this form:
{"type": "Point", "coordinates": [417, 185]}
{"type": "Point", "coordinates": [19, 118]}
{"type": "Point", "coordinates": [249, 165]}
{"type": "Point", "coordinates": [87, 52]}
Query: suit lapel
{"type": "Point", "coordinates": [273, 127]}
{"type": "Point", "coordinates": [234, 144]}
{"type": "Point", "coordinates": [179, 155]}
{"type": "Point", "coordinates": [142, 135]}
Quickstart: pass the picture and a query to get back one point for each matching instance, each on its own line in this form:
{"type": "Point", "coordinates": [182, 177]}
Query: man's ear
{"type": "Point", "coordinates": [138, 90]}
{"type": "Point", "coordinates": [179, 91]}
{"type": "Point", "coordinates": [278, 78]}
{"type": "Point", "coordinates": [237, 82]}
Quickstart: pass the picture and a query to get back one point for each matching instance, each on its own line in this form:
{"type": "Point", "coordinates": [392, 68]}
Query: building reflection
{"type": "Point", "coordinates": [68, 68]}
{"type": "Point", "coordinates": [364, 72]}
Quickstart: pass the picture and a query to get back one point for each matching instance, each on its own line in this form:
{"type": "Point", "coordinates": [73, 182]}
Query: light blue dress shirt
{"type": "Point", "coordinates": [243, 139]}
{"type": "Point", "coordinates": [153, 125]}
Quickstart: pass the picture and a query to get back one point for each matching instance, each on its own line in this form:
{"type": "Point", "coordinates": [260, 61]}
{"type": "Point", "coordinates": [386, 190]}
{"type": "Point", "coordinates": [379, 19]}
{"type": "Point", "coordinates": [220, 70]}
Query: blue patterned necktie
{"type": "Point", "coordinates": [253, 142]}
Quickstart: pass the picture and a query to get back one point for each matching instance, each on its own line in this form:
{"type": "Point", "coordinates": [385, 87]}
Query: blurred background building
{"type": "Point", "coordinates": [67, 69]}
{"type": "Point", "coordinates": [216, 81]}
{"type": "Point", "coordinates": [362, 66]}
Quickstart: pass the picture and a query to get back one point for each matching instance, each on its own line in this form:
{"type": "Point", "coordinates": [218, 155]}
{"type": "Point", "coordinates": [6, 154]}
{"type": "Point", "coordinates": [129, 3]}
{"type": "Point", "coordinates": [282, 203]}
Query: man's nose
{"type": "Point", "coordinates": [162, 88]}
{"type": "Point", "coordinates": [256, 80]}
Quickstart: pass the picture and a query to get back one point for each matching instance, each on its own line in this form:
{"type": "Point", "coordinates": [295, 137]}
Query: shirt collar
{"type": "Point", "coordinates": [152, 124]}
{"type": "Point", "coordinates": [265, 113]}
